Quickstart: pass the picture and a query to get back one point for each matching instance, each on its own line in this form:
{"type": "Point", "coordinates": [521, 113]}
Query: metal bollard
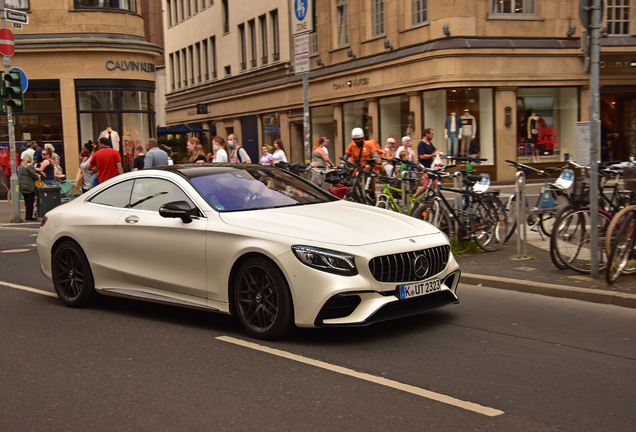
{"type": "Point", "coordinates": [405, 192]}
{"type": "Point", "coordinates": [520, 192]}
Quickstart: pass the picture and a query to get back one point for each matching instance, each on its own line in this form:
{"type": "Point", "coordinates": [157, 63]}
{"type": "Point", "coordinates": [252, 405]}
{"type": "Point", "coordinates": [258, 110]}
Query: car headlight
{"type": "Point", "coordinates": [326, 260]}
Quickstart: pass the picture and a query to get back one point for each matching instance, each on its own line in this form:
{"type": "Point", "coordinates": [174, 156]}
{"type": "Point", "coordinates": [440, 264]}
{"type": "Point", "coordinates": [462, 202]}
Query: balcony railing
{"type": "Point", "coordinates": [243, 66]}
{"type": "Point", "coordinates": [264, 59]}
{"type": "Point", "coordinates": [253, 63]}
{"type": "Point", "coordinates": [276, 56]}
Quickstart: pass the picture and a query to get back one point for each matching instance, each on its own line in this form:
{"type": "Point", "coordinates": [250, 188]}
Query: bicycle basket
{"type": "Point", "coordinates": [581, 191]}
{"type": "Point", "coordinates": [629, 176]}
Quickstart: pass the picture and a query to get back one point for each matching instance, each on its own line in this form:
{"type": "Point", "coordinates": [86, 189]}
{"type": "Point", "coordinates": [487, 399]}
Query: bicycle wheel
{"type": "Point", "coordinates": [572, 240]}
{"type": "Point", "coordinates": [435, 215]}
{"type": "Point", "coordinates": [615, 225]}
{"type": "Point", "coordinates": [556, 260]}
{"type": "Point", "coordinates": [546, 220]}
{"type": "Point", "coordinates": [490, 221]}
{"type": "Point", "coordinates": [622, 249]}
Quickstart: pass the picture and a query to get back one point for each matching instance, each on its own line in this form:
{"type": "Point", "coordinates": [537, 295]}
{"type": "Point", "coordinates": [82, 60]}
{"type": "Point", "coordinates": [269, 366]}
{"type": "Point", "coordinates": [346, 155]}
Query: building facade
{"type": "Point", "coordinates": [501, 79]}
{"type": "Point", "coordinates": [90, 71]}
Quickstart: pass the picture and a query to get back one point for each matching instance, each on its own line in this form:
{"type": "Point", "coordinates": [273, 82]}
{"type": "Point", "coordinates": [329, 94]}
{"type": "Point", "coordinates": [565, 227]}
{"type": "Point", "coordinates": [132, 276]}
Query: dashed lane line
{"type": "Point", "coordinates": [29, 289]}
{"type": "Point", "coordinates": [490, 412]}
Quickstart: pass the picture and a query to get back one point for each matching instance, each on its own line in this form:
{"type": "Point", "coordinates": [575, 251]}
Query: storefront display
{"type": "Point", "coordinates": [546, 123]}
{"type": "Point", "coordinates": [394, 117]}
{"type": "Point", "coordinates": [462, 120]}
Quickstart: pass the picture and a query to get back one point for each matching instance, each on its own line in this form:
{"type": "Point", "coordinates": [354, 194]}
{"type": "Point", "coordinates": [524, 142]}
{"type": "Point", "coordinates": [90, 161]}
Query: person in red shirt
{"type": "Point", "coordinates": [106, 162]}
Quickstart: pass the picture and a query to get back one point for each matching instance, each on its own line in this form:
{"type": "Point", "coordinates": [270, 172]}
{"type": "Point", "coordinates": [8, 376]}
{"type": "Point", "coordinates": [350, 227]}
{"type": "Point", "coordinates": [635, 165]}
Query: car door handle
{"type": "Point", "coordinates": [132, 219]}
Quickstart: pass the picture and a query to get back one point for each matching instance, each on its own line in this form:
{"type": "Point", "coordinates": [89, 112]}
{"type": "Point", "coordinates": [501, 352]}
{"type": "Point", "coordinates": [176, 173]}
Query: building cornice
{"type": "Point", "coordinates": [84, 42]}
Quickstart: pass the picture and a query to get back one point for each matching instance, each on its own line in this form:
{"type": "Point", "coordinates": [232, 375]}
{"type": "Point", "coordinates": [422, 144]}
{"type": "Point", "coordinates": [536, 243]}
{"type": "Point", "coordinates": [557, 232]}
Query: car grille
{"type": "Point", "coordinates": [399, 267]}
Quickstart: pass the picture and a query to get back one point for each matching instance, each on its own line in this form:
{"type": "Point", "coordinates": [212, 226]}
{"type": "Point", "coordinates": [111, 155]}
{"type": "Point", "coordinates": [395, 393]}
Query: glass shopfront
{"type": "Point", "coordinates": [322, 126]}
{"type": "Point", "coordinates": [546, 123]}
{"type": "Point", "coordinates": [354, 114]}
{"type": "Point", "coordinates": [271, 130]}
{"type": "Point", "coordinates": [120, 110]}
{"type": "Point", "coordinates": [394, 118]}
{"type": "Point", "coordinates": [463, 121]}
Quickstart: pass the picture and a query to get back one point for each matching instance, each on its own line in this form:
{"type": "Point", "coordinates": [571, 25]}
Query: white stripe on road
{"type": "Point", "coordinates": [24, 288]}
{"type": "Point", "coordinates": [490, 412]}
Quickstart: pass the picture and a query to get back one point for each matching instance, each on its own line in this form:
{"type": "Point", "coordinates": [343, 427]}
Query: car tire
{"type": "Point", "coordinates": [72, 275]}
{"type": "Point", "coordinates": [262, 299]}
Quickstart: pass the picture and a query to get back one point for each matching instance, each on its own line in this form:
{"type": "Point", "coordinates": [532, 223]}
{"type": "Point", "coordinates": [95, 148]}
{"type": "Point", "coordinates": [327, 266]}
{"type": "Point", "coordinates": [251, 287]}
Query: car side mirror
{"type": "Point", "coordinates": [177, 209]}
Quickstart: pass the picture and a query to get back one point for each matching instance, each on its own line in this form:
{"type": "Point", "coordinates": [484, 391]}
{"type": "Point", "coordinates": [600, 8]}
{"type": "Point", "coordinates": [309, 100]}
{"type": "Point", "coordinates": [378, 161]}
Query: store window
{"type": "Point", "coordinates": [513, 8]}
{"type": "Point", "coordinates": [41, 119]}
{"type": "Point", "coordinates": [121, 110]}
{"type": "Point", "coordinates": [322, 125]}
{"type": "Point", "coordinates": [271, 130]}
{"type": "Point", "coordinates": [354, 115]}
{"type": "Point", "coordinates": [394, 123]}
{"type": "Point", "coordinates": [462, 120]}
{"type": "Point", "coordinates": [546, 123]}
{"type": "Point", "coordinates": [126, 5]}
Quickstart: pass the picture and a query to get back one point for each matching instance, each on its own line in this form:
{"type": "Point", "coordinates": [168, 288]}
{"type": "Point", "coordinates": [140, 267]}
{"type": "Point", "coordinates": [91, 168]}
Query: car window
{"type": "Point", "coordinates": [151, 193]}
{"type": "Point", "coordinates": [115, 196]}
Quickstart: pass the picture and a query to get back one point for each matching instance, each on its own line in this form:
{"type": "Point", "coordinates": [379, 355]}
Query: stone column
{"type": "Point", "coordinates": [339, 139]}
{"type": "Point", "coordinates": [69, 120]}
{"type": "Point", "coordinates": [373, 113]}
{"type": "Point", "coordinates": [285, 134]}
{"type": "Point", "coordinates": [505, 135]}
{"type": "Point", "coordinates": [415, 107]}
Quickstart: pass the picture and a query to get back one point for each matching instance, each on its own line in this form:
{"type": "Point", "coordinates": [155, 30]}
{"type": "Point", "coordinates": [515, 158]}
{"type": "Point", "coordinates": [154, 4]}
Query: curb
{"type": "Point", "coordinates": [575, 293]}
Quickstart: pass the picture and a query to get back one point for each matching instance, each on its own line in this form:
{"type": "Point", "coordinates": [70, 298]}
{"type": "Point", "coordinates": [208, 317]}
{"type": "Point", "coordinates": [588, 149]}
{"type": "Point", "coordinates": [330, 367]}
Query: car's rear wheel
{"type": "Point", "coordinates": [262, 299]}
{"type": "Point", "coordinates": [72, 276]}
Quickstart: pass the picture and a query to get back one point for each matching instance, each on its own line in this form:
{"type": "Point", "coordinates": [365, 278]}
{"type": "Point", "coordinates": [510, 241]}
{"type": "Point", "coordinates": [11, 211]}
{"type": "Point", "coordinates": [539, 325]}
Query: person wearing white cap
{"type": "Point", "coordinates": [389, 153]}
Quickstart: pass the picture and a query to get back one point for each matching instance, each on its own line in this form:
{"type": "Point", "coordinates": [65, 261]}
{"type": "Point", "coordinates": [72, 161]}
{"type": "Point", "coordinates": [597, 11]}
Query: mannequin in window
{"type": "Point", "coordinates": [112, 135]}
{"type": "Point", "coordinates": [452, 132]}
{"type": "Point", "coordinates": [469, 130]}
{"type": "Point", "coordinates": [533, 135]}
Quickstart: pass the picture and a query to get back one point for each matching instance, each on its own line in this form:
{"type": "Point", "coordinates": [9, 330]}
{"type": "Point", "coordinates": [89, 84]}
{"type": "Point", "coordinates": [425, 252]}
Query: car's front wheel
{"type": "Point", "coordinates": [72, 276]}
{"type": "Point", "coordinates": [262, 299]}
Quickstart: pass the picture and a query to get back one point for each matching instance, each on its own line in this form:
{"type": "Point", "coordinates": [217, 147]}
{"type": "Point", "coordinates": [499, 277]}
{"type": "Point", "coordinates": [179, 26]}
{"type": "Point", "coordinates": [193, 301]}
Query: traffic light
{"type": "Point", "coordinates": [13, 91]}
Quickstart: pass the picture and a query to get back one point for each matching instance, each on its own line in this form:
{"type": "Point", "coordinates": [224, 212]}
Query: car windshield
{"type": "Point", "coordinates": [256, 188]}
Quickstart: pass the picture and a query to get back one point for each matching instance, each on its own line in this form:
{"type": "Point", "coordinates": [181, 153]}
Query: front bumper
{"type": "Point", "coordinates": [361, 309]}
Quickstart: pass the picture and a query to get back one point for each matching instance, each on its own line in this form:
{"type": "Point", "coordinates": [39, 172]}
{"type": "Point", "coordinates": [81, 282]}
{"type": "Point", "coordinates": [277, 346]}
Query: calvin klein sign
{"type": "Point", "coordinates": [130, 66]}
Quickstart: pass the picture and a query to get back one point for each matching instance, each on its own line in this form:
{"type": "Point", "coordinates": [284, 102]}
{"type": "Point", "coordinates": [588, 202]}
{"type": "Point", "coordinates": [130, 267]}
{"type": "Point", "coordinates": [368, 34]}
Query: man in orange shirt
{"type": "Point", "coordinates": [359, 149]}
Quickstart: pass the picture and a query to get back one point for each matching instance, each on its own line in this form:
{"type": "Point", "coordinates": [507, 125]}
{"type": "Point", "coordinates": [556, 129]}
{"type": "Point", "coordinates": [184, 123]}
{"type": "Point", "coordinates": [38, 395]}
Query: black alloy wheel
{"type": "Point", "coordinates": [262, 299]}
{"type": "Point", "coordinates": [72, 276]}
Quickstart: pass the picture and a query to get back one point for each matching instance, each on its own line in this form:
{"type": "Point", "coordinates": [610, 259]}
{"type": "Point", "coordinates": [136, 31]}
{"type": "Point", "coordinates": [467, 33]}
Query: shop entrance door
{"type": "Point", "coordinates": [629, 129]}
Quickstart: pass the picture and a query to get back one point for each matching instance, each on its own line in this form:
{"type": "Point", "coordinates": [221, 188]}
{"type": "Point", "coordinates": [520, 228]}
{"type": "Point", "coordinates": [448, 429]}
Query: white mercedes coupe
{"type": "Point", "coordinates": [253, 241]}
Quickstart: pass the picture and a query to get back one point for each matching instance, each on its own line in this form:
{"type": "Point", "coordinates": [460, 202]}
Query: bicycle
{"type": "Point", "coordinates": [552, 197]}
{"type": "Point", "coordinates": [482, 221]}
{"type": "Point", "coordinates": [622, 258]}
{"type": "Point", "coordinates": [393, 197]}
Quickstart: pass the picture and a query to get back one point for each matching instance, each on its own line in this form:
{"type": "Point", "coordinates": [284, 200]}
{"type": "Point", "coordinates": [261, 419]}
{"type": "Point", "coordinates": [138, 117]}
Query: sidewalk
{"type": "Point", "coordinates": [500, 270]}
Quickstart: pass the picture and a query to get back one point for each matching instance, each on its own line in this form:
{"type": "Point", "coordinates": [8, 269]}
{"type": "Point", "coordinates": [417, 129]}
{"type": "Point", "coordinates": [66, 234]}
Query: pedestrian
{"type": "Point", "coordinates": [237, 153]}
{"type": "Point", "coordinates": [195, 148]}
{"type": "Point", "coordinates": [221, 149]}
{"type": "Point", "coordinates": [389, 153]}
{"type": "Point", "coordinates": [406, 145]}
{"type": "Point", "coordinates": [85, 158]}
{"type": "Point", "coordinates": [26, 183]}
{"type": "Point", "coordinates": [426, 152]}
{"type": "Point", "coordinates": [318, 155]}
{"type": "Point", "coordinates": [56, 160]}
{"type": "Point", "coordinates": [155, 156]}
{"type": "Point", "coordinates": [37, 156]}
{"type": "Point", "coordinates": [28, 151]}
{"type": "Point", "coordinates": [46, 168]}
{"type": "Point", "coordinates": [106, 162]}
{"type": "Point", "coordinates": [168, 151]}
{"type": "Point", "coordinates": [266, 157]}
{"type": "Point", "coordinates": [279, 152]}
{"type": "Point", "coordinates": [138, 163]}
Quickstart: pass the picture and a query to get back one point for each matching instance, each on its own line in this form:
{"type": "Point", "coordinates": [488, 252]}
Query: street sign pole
{"type": "Point", "coordinates": [15, 193]}
{"type": "Point", "coordinates": [306, 123]}
{"type": "Point", "coordinates": [302, 25]}
{"type": "Point", "coordinates": [595, 117]}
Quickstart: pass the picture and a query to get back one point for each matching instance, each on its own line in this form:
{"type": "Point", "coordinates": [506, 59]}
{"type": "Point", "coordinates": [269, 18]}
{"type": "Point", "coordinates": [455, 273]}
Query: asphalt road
{"type": "Point", "coordinates": [498, 361]}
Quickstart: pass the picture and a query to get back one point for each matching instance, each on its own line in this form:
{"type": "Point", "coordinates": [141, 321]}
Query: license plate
{"type": "Point", "coordinates": [420, 288]}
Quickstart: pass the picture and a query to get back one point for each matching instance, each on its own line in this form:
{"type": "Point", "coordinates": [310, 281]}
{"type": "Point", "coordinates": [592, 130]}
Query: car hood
{"type": "Point", "coordinates": [338, 222]}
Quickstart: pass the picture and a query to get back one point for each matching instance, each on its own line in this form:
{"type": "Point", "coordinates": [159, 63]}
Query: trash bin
{"type": "Point", "coordinates": [48, 198]}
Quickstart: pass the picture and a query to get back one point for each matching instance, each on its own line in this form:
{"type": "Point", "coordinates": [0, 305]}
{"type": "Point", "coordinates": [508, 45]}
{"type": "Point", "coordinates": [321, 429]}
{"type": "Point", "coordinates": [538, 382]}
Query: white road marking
{"type": "Point", "coordinates": [490, 412]}
{"type": "Point", "coordinates": [24, 288]}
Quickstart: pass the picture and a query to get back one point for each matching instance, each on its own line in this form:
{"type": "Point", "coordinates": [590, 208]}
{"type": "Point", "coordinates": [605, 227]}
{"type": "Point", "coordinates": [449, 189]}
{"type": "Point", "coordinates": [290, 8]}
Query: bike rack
{"type": "Point", "coordinates": [520, 191]}
{"type": "Point", "coordinates": [405, 193]}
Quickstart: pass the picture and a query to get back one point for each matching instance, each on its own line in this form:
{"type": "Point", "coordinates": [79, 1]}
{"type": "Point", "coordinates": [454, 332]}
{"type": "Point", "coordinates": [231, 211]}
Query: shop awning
{"type": "Point", "coordinates": [179, 130]}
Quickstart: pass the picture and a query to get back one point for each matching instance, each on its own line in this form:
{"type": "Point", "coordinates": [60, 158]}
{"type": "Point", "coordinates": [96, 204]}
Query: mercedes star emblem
{"type": "Point", "coordinates": [420, 266]}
